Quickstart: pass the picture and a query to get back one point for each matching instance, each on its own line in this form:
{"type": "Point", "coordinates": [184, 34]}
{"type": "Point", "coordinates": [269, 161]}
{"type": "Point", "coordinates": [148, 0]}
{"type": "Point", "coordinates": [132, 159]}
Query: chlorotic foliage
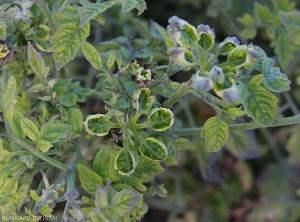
{"type": "Point", "coordinates": [136, 132]}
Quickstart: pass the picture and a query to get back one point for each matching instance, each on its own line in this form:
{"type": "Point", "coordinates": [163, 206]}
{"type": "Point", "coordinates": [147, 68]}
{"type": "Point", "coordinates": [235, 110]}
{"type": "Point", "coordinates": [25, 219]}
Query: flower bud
{"type": "Point", "coordinates": [252, 57]}
{"type": "Point", "coordinates": [180, 56]}
{"type": "Point", "coordinates": [216, 74]}
{"type": "Point", "coordinates": [201, 83]}
{"type": "Point", "coordinates": [225, 47]}
{"type": "Point", "coordinates": [206, 35]}
{"type": "Point", "coordinates": [182, 32]}
{"type": "Point", "coordinates": [231, 94]}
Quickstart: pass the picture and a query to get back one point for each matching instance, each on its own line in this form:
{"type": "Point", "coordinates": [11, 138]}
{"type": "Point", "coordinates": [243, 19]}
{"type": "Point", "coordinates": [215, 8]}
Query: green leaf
{"type": "Point", "coordinates": [44, 146]}
{"type": "Point", "coordinates": [206, 41]}
{"type": "Point", "coordinates": [161, 119]}
{"type": "Point", "coordinates": [22, 105]}
{"type": "Point", "coordinates": [215, 132]}
{"type": "Point", "coordinates": [16, 126]}
{"type": "Point", "coordinates": [37, 64]}
{"type": "Point", "coordinates": [256, 80]}
{"type": "Point", "coordinates": [141, 6]}
{"type": "Point", "coordinates": [90, 11]}
{"type": "Point", "coordinates": [101, 162]}
{"type": "Point", "coordinates": [237, 57]}
{"type": "Point", "coordinates": [142, 100]}
{"type": "Point", "coordinates": [111, 59]}
{"type": "Point", "coordinates": [8, 98]}
{"type": "Point", "coordinates": [128, 5]}
{"type": "Point", "coordinates": [30, 129]}
{"type": "Point", "coordinates": [75, 119]}
{"type": "Point", "coordinates": [69, 36]}
{"type": "Point", "coordinates": [98, 125]}
{"type": "Point", "coordinates": [125, 201]}
{"type": "Point", "coordinates": [126, 161]}
{"type": "Point", "coordinates": [92, 55]}
{"type": "Point", "coordinates": [259, 103]}
{"type": "Point", "coordinates": [236, 112]}
{"type": "Point", "coordinates": [88, 179]}
{"type": "Point", "coordinates": [291, 21]}
{"type": "Point", "coordinates": [153, 149]}
{"type": "Point", "coordinates": [147, 169]}
{"type": "Point", "coordinates": [285, 5]}
{"type": "Point", "coordinates": [46, 211]}
{"type": "Point", "coordinates": [248, 32]}
{"type": "Point", "coordinates": [246, 20]}
{"type": "Point", "coordinates": [262, 13]}
{"type": "Point", "coordinates": [69, 99]}
{"type": "Point", "coordinates": [53, 132]}
{"type": "Point", "coordinates": [274, 80]}
{"type": "Point", "coordinates": [284, 47]}
{"type": "Point", "coordinates": [34, 195]}
{"type": "Point", "coordinates": [131, 181]}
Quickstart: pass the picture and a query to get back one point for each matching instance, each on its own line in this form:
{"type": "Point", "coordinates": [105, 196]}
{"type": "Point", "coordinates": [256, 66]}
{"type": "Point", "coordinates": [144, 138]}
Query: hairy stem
{"type": "Point", "coordinates": [182, 91]}
{"type": "Point", "coordinates": [31, 149]}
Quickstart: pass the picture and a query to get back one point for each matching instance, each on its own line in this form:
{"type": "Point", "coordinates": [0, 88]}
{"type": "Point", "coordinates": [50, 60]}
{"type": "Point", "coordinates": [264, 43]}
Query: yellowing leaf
{"type": "Point", "coordinates": [90, 11]}
{"type": "Point", "coordinates": [69, 36]}
{"type": "Point", "coordinates": [259, 103]}
{"type": "Point", "coordinates": [88, 179]}
{"type": "Point", "coordinates": [44, 146]}
{"type": "Point", "coordinates": [8, 98]}
{"type": "Point", "coordinates": [215, 132]}
{"type": "Point", "coordinates": [53, 132]}
{"type": "Point", "coordinates": [75, 119]}
{"type": "Point", "coordinates": [161, 119]}
{"type": "Point", "coordinates": [30, 129]}
{"type": "Point", "coordinates": [153, 149]}
{"type": "Point", "coordinates": [92, 55]}
{"type": "Point", "coordinates": [126, 161]}
{"type": "Point", "coordinates": [37, 63]}
{"type": "Point", "coordinates": [125, 201]}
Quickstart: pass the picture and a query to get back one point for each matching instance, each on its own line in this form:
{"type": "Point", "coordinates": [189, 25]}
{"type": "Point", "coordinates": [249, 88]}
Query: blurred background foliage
{"type": "Point", "coordinates": [256, 176]}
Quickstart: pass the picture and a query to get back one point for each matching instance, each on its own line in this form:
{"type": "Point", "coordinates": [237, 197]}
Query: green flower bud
{"type": "Point", "coordinates": [225, 47]}
{"type": "Point", "coordinates": [180, 56]}
{"type": "Point", "coordinates": [207, 37]}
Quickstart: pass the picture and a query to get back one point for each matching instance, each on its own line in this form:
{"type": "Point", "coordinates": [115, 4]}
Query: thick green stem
{"type": "Point", "coordinates": [242, 126]}
{"type": "Point", "coordinates": [37, 153]}
{"type": "Point", "coordinates": [48, 14]}
{"type": "Point", "coordinates": [182, 91]}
